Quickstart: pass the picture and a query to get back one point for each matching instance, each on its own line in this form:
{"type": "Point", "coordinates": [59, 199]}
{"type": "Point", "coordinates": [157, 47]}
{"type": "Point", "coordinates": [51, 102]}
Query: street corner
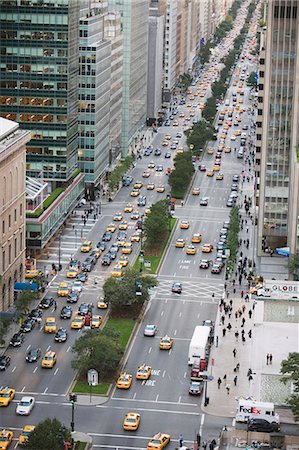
{"type": "Point", "coordinates": [91, 400]}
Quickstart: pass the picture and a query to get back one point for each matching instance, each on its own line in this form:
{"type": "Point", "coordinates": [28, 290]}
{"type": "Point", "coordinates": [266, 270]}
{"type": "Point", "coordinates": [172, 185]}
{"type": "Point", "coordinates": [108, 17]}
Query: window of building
{"type": "Point", "coordinates": [15, 214]}
{"type": "Point", "coordinates": [258, 137]}
{"type": "Point", "coordinates": [262, 61]}
{"type": "Point", "coordinates": [21, 241]}
{"type": "Point", "coordinates": [3, 261]}
{"type": "Point", "coordinates": [262, 73]}
{"type": "Point", "coordinates": [9, 254]}
{"type": "Point", "coordinates": [9, 221]}
{"type": "Point", "coordinates": [16, 247]}
{"type": "Point", "coordinates": [21, 209]}
{"type": "Point", "coordinates": [3, 226]}
{"type": "Point", "coordinates": [259, 112]}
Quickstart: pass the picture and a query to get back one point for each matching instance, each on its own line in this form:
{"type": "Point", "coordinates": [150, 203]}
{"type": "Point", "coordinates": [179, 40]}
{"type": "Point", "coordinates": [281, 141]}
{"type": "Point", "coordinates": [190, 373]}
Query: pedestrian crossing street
{"type": "Point", "coordinates": [93, 283]}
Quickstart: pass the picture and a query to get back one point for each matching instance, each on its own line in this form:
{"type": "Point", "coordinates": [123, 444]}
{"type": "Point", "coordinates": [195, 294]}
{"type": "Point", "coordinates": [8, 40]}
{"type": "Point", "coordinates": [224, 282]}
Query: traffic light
{"type": "Point", "coordinates": [73, 398]}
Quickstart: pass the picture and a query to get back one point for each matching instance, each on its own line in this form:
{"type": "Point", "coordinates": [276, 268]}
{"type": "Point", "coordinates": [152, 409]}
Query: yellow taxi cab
{"type": "Point", "coordinates": [95, 321]}
{"type": "Point", "coordinates": [50, 325]}
{"type": "Point", "coordinates": [195, 191]}
{"type": "Point", "coordinates": [6, 396]}
{"type": "Point", "coordinates": [221, 146]}
{"type": "Point", "coordinates": [6, 437]}
{"type": "Point", "coordinates": [216, 169]}
{"type": "Point", "coordinates": [128, 208]}
{"type": "Point", "coordinates": [190, 250]}
{"type": "Point", "coordinates": [160, 189]}
{"type": "Point", "coordinates": [123, 225]}
{"type": "Point", "coordinates": [146, 174]}
{"type": "Point", "coordinates": [184, 225]}
{"type": "Point", "coordinates": [227, 150]}
{"type": "Point", "coordinates": [124, 381]}
{"type": "Point", "coordinates": [179, 151]}
{"type": "Point", "coordinates": [118, 216]}
{"type": "Point", "coordinates": [237, 133]}
{"type": "Point", "coordinates": [165, 343]}
{"type": "Point", "coordinates": [72, 272]}
{"type": "Point", "coordinates": [207, 248]}
{"type": "Point", "coordinates": [219, 176]}
{"type": "Point", "coordinates": [143, 372]}
{"type": "Point", "coordinates": [49, 360]}
{"type": "Point", "coordinates": [196, 238]}
{"type": "Point", "coordinates": [165, 143]}
{"type": "Point", "coordinates": [147, 211]}
{"type": "Point", "coordinates": [241, 100]}
{"type": "Point", "coordinates": [167, 137]}
{"type": "Point", "coordinates": [111, 227]}
{"type": "Point", "coordinates": [210, 173]}
{"type": "Point", "coordinates": [181, 114]}
{"type": "Point", "coordinates": [127, 248]}
{"type": "Point", "coordinates": [131, 421]}
{"type": "Point", "coordinates": [138, 185]}
{"type": "Point", "coordinates": [192, 113]}
{"type": "Point", "coordinates": [117, 271]}
{"type": "Point", "coordinates": [63, 289]}
{"type": "Point", "coordinates": [225, 127]}
{"type": "Point", "coordinates": [150, 187]}
{"type": "Point", "coordinates": [123, 261]}
{"type": "Point", "coordinates": [25, 433]}
{"type": "Point", "coordinates": [210, 151]}
{"type": "Point", "coordinates": [158, 442]}
{"type": "Point", "coordinates": [136, 236]}
{"type": "Point", "coordinates": [77, 322]}
{"type": "Point", "coordinates": [222, 135]}
{"type": "Point", "coordinates": [189, 105]}
{"type": "Point", "coordinates": [151, 165]}
{"type": "Point", "coordinates": [86, 246]}
{"type": "Point", "coordinates": [135, 193]}
{"type": "Point", "coordinates": [32, 273]}
{"type": "Point", "coordinates": [180, 243]}
{"type": "Point", "coordinates": [102, 304]}
{"type": "Point", "coordinates": [121, 241]}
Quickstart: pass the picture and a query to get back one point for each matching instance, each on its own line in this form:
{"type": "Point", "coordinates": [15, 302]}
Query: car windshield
{"type": "Point", "coordinates": [5, 395]}
{"type": "Point", "coordinates": [26, 433]}
{"type": "Point", "coordinates": [24, 403]}
{"type": "Point", "coordinates": [48, 358]}
{"type": "Point", "coordinates": [3, 438]}
{"type": "Point", "coordinates": [131, 420]}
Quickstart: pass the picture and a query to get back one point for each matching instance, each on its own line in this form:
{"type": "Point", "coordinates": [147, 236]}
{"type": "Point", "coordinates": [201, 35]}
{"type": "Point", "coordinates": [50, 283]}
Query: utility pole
{"type": "Point", "coordinates": [73, 400]}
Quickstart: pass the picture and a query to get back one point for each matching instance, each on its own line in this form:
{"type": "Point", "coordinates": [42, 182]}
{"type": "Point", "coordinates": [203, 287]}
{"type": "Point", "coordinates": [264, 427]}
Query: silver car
{"type": "Point", "coordinates": [150, 330]}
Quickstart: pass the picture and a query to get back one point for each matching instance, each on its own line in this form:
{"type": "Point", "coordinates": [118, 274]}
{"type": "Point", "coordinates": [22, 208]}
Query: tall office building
{"type": "Point", "coordinates": [135, 18]}
{"type": "Point", "coordinates": [39, 90]}
{"type": "Point", "coordinates": [170, 50]}
{"type": "Point", "coordinates": [12, 208]}
{"type": "Point", "coordinates": [277, 154]}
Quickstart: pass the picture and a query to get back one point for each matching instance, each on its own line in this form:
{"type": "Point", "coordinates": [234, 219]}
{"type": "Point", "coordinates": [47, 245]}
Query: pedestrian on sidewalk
{"type": "Point", "coordinates": [224, 378]}
{"type": "Point", "coordinates": [243, 308]}
{"type": "Point", "coordinates": [212, 444]}
{"type": "Point", "coordinates": [250, 313]}
{"type": "Point", "coordinates": [249, 334]}
{"type": "Point", "coordinates": [234, 352]}
{"type": "Point", "coordinates": [270, 358]}
{"type": "Point", "coordinates": [238, 367]}
{"type": "Point", "coordinates": [204, 445]}
{"type": "Point", "coordinates": [236, 315]}
{"type": "Point", "coordinates": [223, 332]}
{"type": "Point", "coordinates": [222, 319]}
{"type": "Point", "coordinates": [243, 322]}
{"type": "Point", "coordinates": [234, 290]}
{"type": "Point", "coordinates": [267, 358]}
{"type": "Point", "coordinates": [213, 295]}
{"type": "Point", "coordinates": [227, 387]}
{"type": "Point", "coordinates": [236, 335]}
{"type": "Point", "coordinates": [242, 294]}
{"type": "Point", "coordinates": [235, 380]}
{"type": "Point", "coordinates": [229, 327]}
{"type": "Point", "coordinates": [181, 440]}
{"type": "Point", "coordinates": [233, 281]}
{"type": "Point", "coordinates": [219, 381]}
{"type": "Point", "coordinates": [243, 339]}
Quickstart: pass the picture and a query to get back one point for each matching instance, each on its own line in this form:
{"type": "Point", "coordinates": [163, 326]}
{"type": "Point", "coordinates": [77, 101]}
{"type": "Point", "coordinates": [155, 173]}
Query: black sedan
{"type": "Point", "coordinates": [35, 314]}
{"type": "Point", "coordinates": [107, 236]}
{"type": "Point", "coordinates": [106, 260]}
{"type": "Point", "coordinates": [17, 340]}
{"type": "Point", "coordinates": [84, 308]}
{"type": "Point", "coordinates": [66, 312]}
{"type": "Point", "coordinates": [73, 297]}
{"type": "Point", "coordinates": [82, 276]}
{"type": "Point", "coordinates": [4, 362]}
{"type": "Point", "coordinates": [263, 425]}
{"type": "Point", "coordinates": [28, 325]}
{"type": "Point", "coordinates": [204, 201]}
{"type": "Point", "coordinates": [177, 288]}
{"type": "Point", "coordinates": [102, 246]}
{"type": "Point", "coordinates": [61, 335]}
{"type": "Point", "coordinates": [46, 302]}
{"type": "Point", "coordinates": [33, 355]}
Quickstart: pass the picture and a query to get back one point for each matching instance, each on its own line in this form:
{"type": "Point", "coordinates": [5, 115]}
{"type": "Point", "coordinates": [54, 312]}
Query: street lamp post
{"type": "Point", "coordinates": [59, 251]}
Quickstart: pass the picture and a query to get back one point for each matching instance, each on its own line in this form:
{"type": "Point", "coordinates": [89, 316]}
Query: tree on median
{"type": "Point", "coordinates": [290, 371]}
{"type": "Point", "coordinates": [199, 135]}
{"type": "Point", "coordinates": [180, 177]}
{"type": "Point", "coordinates": [156, 225]}
{"type": "Point", "coordinates": [48, 435]}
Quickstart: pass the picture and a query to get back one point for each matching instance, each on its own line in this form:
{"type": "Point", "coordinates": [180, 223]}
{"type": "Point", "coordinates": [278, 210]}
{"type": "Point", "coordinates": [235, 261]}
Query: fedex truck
{"type": "Point", "coordinates": [199, 345]}
{"type": "Point", "coordinates": [250, 409]}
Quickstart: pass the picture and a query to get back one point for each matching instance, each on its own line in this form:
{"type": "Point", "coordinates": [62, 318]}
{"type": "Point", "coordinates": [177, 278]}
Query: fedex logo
{"type": "Point", "coordinates": [250, 410]}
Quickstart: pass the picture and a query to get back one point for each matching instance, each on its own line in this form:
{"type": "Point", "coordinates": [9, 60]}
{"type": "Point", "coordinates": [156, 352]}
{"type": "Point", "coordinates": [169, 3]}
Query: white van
{"type": "Point", "coordinates": [249, 409]}
{"type": "Point", "coordinates": [240, 153]}
{"type": "Point", "coordinates": [226, 103]}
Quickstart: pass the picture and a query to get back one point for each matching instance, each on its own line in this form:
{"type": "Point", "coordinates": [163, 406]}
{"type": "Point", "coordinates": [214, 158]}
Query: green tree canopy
{"type": "Point", "coordinates": [49, 435]}
{"type": "Point", "coordinates": [156, 224]}
{"type": "Point", "coordinates": [180, 177]}
{"type": "Point", "coordinates": [121, 293]}
{"type": "Point", "coordinates": [290, 371]}
{"type": "Point", "coordinates": [119, 171]}
{"type": "Point", "coordinates": [232, 238]}
{"type": "Point", "coordinates": [97, 349]}
{"type": "Point", "coordinates": [199, 135]}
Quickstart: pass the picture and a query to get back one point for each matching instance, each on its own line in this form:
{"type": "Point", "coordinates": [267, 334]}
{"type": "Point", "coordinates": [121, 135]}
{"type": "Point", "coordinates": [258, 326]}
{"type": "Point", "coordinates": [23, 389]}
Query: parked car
{"type": "Point", "coordinates": [17, 340]}
{"type": "Point", "coordinates": [263, 425]}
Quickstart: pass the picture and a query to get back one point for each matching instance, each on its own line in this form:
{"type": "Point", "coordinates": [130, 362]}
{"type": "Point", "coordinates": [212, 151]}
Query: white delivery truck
{"type": "Point", "coordinates": [199, 344]}
{"type": "Point", "coordinates": [250, 409]}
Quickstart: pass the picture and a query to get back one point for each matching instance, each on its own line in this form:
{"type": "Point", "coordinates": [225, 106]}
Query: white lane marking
{"type": "Point", "coordinates": [162, 402]}
{"type": "Point", "coordinates": [13, 369]}
{"type": "Point", "coordinates": [233, 422]}
{"type": "Point", "coordinates": [56, 371]}
{"type": "Point", "coordinates": [198, 315]}
{"type": "Point", "coordinates": [35, 369]}
{"type": "Point", "coordinates": [162, 312]}
{"type": "Point", "coordinates": [163, 374]}
{"type": "Point", "coordinates": [201, 424]}
{"type": "Point", "coordinates": [149, 350]}
{"type": "Point", "coordinates": [48, 348]}
{"type": "Point", "coordinates": [68, 349]}
{"type": "Point", "coordinates": [180, 315]}
{"type": "Point", "coordinates": [157, 397]}
{"type": "Point", "coordinates": [185, 375]}
{"type": "Point", "coordinates": [45, 391]}
{"type": "Point", "coordinates": [175, 331]}
{"type": "Point", "coordinates": [28, 347]}
{"type": "Point", "coordinates": [17, 443]}
{"type": "Point", "coordinates": [180, 398]}
{"type": "Point", "coordinates": [23, 389]}
{"type": "Point", "coordinates": [169, 351]}
{"type": "Point", "coordinates": [134, 396]}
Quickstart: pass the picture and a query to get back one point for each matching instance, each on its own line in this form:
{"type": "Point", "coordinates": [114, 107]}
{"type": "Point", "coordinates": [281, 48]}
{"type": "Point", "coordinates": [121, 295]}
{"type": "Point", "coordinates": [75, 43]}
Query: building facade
{"type": "Point", "coordinates": [277, 163]}
{"type": "Point", "coordinates": [135, 18]}
{"type": "Point", "coordinates": [94, 99]}
{"type": "Point", "coordinates": [155, 63]}
{"type": "Point", "coordinates": [170, 50]}
{"type": "Point", "coordinates": [12, 208]}
{"type": "Point", "coordinates": [39, 88]}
